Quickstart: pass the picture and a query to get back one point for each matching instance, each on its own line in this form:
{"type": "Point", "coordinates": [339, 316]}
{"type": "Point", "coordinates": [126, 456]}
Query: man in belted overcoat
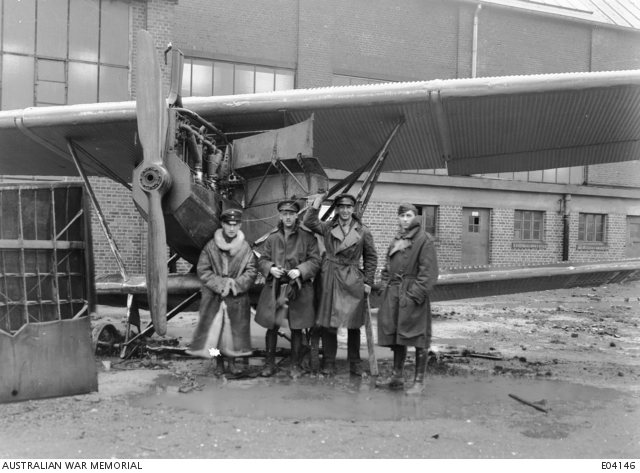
{"type": "Point", "coordinates": [288, 260]}
{"type": "Point", "coordinates": [343, 284]}
{"type": "Point", "coordinates": [404, 317]}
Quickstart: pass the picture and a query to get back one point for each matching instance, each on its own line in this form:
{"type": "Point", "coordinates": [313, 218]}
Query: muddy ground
{"type": "Point", "coordinates": [572, 353]}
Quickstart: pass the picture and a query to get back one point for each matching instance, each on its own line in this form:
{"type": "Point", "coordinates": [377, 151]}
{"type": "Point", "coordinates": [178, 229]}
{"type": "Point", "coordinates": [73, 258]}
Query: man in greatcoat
{"type": "Point", "coordinates": [404, 316]}
{"type": "Point", "coordinates": [289, 259]}
{"type": "Point", "coordinates": [343, 285]}
{"type": "Point", "coordinates": [227, 269]}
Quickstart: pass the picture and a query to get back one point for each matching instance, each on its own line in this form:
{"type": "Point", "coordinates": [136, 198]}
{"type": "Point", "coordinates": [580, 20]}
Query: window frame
{"type": "Point", "coordinates": [40, 55]}
{"type": "Point", "coordinates": [583, 234]}
{"type": "Point", "coordinates": [258, 69]}
{"type": "Point", "coordinates": [520, 238]}
{"type": "Point", "coordinates": [421, 213]}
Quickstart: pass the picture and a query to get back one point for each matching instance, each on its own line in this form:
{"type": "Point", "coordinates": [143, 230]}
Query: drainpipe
{"type": "Point", "coordinates": [474, 52]}
{"type": "Point", "coordinates": [565, 226]}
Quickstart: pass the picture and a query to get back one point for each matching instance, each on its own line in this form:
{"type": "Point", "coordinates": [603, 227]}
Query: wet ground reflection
{"type": "Point", "coordinates": [349, 398]}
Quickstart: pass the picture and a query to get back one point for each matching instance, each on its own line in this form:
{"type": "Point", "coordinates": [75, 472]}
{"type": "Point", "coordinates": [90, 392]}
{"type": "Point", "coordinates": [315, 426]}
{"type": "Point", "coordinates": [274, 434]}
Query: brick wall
{"type": "Point", "coordinates": [244, 28]}
{"type": "Point", "coordinates": [511, 43]}
{"type": "Point", "coordinates": [625, 174]}
{"type": "Point", "coordinates": [127, 227]}
{"type": "Point", "coordinates": [413, 38]}
{"type": "Point", "coordinates": [615, 240]}
{"type": "Point", "coordinates": [614, 50]}
{"type": "Point", "coordinates": [316, 30]}
{"type": "Point", "coordinates": [502, 233]}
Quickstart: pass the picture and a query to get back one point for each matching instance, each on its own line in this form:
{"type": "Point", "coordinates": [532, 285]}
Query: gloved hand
{"type": "Point", "coordinates": [319, 200]}
{"type": "Point", "coordinates": [367, 289]}
{"type": "Point", "coordinates": [228, 283]}
{"type": "Point", "coordinates": [232, 285]}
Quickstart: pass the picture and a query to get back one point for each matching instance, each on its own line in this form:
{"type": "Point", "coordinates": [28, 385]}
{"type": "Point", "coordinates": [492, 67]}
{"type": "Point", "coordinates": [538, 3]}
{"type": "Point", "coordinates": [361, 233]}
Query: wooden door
{"type": "Point", "coordinates": [633, 237]}
{"type": "Point", "coordinates": [475, 237]}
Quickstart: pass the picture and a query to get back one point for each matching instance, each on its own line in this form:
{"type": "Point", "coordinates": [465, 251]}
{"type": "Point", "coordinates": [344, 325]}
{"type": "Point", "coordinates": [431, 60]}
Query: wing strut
{"type": "Point", "coordinates": [101, 219]}
{"type": "Point", "coordinates": [377, 161]}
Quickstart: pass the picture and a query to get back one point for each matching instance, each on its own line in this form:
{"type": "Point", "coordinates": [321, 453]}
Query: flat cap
{"type": "Point", "coordinates": [291, 205]}
{"type": "Point", "coordinates": [405, 207]}
{"type": "Point", "coordinates": [345, 199]}
{"type": "Point", "coordinates": [231, 216]}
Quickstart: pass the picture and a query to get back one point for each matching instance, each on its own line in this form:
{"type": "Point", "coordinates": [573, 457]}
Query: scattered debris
{"type": "Point", "coordinates": [530, 404]}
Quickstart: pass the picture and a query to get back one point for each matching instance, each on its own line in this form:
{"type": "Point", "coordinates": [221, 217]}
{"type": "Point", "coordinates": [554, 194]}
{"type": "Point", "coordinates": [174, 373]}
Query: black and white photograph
{"type": "Point", "coordinates": [327, 230]}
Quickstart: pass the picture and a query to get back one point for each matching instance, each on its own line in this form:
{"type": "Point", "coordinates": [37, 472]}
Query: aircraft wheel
{"type": "Point", "coordinates": [106, 339]}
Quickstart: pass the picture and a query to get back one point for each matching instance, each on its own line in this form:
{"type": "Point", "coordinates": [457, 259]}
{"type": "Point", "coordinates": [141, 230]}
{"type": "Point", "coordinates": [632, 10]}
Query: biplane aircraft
{"type": "Point", "coordinates": [187, 159]}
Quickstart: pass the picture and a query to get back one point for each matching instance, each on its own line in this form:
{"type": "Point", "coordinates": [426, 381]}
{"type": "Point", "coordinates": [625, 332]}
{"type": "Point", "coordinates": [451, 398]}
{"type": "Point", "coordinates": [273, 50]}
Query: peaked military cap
{"type": "Point", "coordinates": [231, 216]}
{"type": "Point", "coordinates": [345, 199]}
{"type": "Point", "coordinates": [291, 205]}
{"type": "Point", "coordinates": [404, 207]}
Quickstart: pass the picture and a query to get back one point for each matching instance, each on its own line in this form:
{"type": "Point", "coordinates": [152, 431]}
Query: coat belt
{"type": "Point", "coordinates": [397, 279]}
{"type": "Point", "coordinates": [345, 261]}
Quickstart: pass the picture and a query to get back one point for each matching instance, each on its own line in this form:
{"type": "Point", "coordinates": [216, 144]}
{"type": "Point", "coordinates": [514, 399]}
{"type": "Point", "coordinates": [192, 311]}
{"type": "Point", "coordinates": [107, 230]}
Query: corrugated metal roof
{"type": "Point", "coordinates": [485, 125]}
{"type": "Point", "coordinates": [619, 13]}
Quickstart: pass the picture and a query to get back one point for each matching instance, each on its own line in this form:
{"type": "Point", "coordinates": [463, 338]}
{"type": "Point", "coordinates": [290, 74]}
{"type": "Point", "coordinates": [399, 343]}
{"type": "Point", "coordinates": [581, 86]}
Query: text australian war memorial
{"type": "Point", "coordinates": [64, 52]}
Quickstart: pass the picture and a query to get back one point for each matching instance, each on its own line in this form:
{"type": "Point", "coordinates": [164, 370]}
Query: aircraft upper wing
{"type": "Point", "coordinates": [470, 126]}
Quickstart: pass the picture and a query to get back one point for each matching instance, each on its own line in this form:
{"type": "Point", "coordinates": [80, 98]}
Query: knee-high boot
{"type": "Point", "coordinates": [329, 348]}
{"type": "Point", "coordinates": [296, 347]}
{"type": "Point", "coordinates": [421, 369]}
{"type": "Point", "coordinates": [271, 341]}
{"type": "Point", "coordinates": [396, 380]}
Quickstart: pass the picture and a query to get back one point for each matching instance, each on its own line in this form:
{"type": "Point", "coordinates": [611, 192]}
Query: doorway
{"type": "Point", "coordinates": [633, 237]}
{"type": "Point", "coordinates": [475, 237]}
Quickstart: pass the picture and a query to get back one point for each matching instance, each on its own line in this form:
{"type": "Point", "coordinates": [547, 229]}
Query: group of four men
{"type": "Point", "coordinates": [327, 290]}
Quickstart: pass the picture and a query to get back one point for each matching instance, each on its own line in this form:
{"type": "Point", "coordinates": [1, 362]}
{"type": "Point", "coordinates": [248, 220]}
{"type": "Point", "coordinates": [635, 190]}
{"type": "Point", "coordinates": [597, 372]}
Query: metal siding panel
{"type": "Point", "coordinates": [48, 360]}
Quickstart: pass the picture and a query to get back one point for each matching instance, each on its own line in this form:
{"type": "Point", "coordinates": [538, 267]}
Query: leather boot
{"type": "Point", "coordinates": [353, 352]}
{"type": "Point", "coordinates": [296, 346]}
{"type": "Point", "coordinates": [219, 369]}
{"type": "Point", "coordinates": [421, 368]}
{"type": "Point", "coordinates": [271, 341]}
{"type": "Point", "coordinates": [232, 368]}
{"type": "Point", "coordinates": [329, 349]}
{"type": "Point", "coordinates": [396, 380]}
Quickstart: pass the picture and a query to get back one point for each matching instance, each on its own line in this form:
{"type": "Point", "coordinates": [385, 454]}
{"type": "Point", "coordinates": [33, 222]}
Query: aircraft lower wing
{"type": "Point", "coordinates": [470, 126]}
{"type": "Point", "coordinates": [453, 283]}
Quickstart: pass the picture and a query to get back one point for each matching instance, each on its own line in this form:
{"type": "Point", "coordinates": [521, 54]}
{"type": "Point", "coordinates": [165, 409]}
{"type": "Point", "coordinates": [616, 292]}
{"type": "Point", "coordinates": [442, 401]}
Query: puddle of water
{"type": "Point", "coordinates": [348, 398]}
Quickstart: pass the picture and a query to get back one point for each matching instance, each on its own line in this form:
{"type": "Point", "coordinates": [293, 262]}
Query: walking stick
{"type": "Point", "coordinates": [373, 361]}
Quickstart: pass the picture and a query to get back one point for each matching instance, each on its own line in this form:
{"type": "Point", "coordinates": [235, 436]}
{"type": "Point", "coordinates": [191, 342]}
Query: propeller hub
{"type": "Point", "coordinates": [154, 178]}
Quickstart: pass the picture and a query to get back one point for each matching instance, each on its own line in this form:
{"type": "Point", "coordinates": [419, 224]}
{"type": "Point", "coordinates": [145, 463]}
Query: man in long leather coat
{"type": "Point", "coordinates": [404, 317]}
{"type": "Point", "coordinates": [227, 270]}
{"type": "Point", "coordinates": [343, 285]}
{"type": "Point", "coordinates": [289, 260]}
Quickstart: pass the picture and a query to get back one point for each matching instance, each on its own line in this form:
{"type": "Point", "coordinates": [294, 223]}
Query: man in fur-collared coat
{"type": "Point", "coordinates": [404, 316]}
{"type": "Point", "coordinates": [289, 259]}
{"type": "Point", "coordinates": [227, 270]}
{"type": "Point", "coordinates": [343, 285]}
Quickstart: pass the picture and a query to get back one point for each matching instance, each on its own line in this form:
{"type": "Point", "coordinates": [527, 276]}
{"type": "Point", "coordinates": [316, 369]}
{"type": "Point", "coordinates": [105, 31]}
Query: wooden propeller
{"type": "Point", "coordinates": [154, 180]}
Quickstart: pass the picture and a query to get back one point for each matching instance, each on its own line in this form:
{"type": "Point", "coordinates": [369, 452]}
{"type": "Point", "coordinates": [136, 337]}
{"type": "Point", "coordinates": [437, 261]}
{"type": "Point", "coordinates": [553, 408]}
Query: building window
{"type": "Point", "coordinates": [206, 77]}
{"type": "Point", "coordinates": [572, 175]}
{"type": "Point", "coordinates": [340, 80]}
{"type": "Point", "coordinates": [64, 52]}
{"type": "Point", "coordinates": [429, 215]}
{"type": "Point", "coordinates": [591, 228]}
{"type": "Point", "coordinates": [528, 225]}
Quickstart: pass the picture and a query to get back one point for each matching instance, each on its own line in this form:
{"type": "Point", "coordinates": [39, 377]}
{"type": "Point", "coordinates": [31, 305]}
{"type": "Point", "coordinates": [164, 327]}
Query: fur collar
{"type": "Point", "coordinates": [233, 247]}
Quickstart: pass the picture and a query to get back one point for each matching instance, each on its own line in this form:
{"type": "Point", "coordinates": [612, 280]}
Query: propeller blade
{"type": "Point", "coordinates": [154, 180]}
{"type": "Point", "coordinates": [151, 106]}
{"type": "Point", "coordinates": [157, 269]}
